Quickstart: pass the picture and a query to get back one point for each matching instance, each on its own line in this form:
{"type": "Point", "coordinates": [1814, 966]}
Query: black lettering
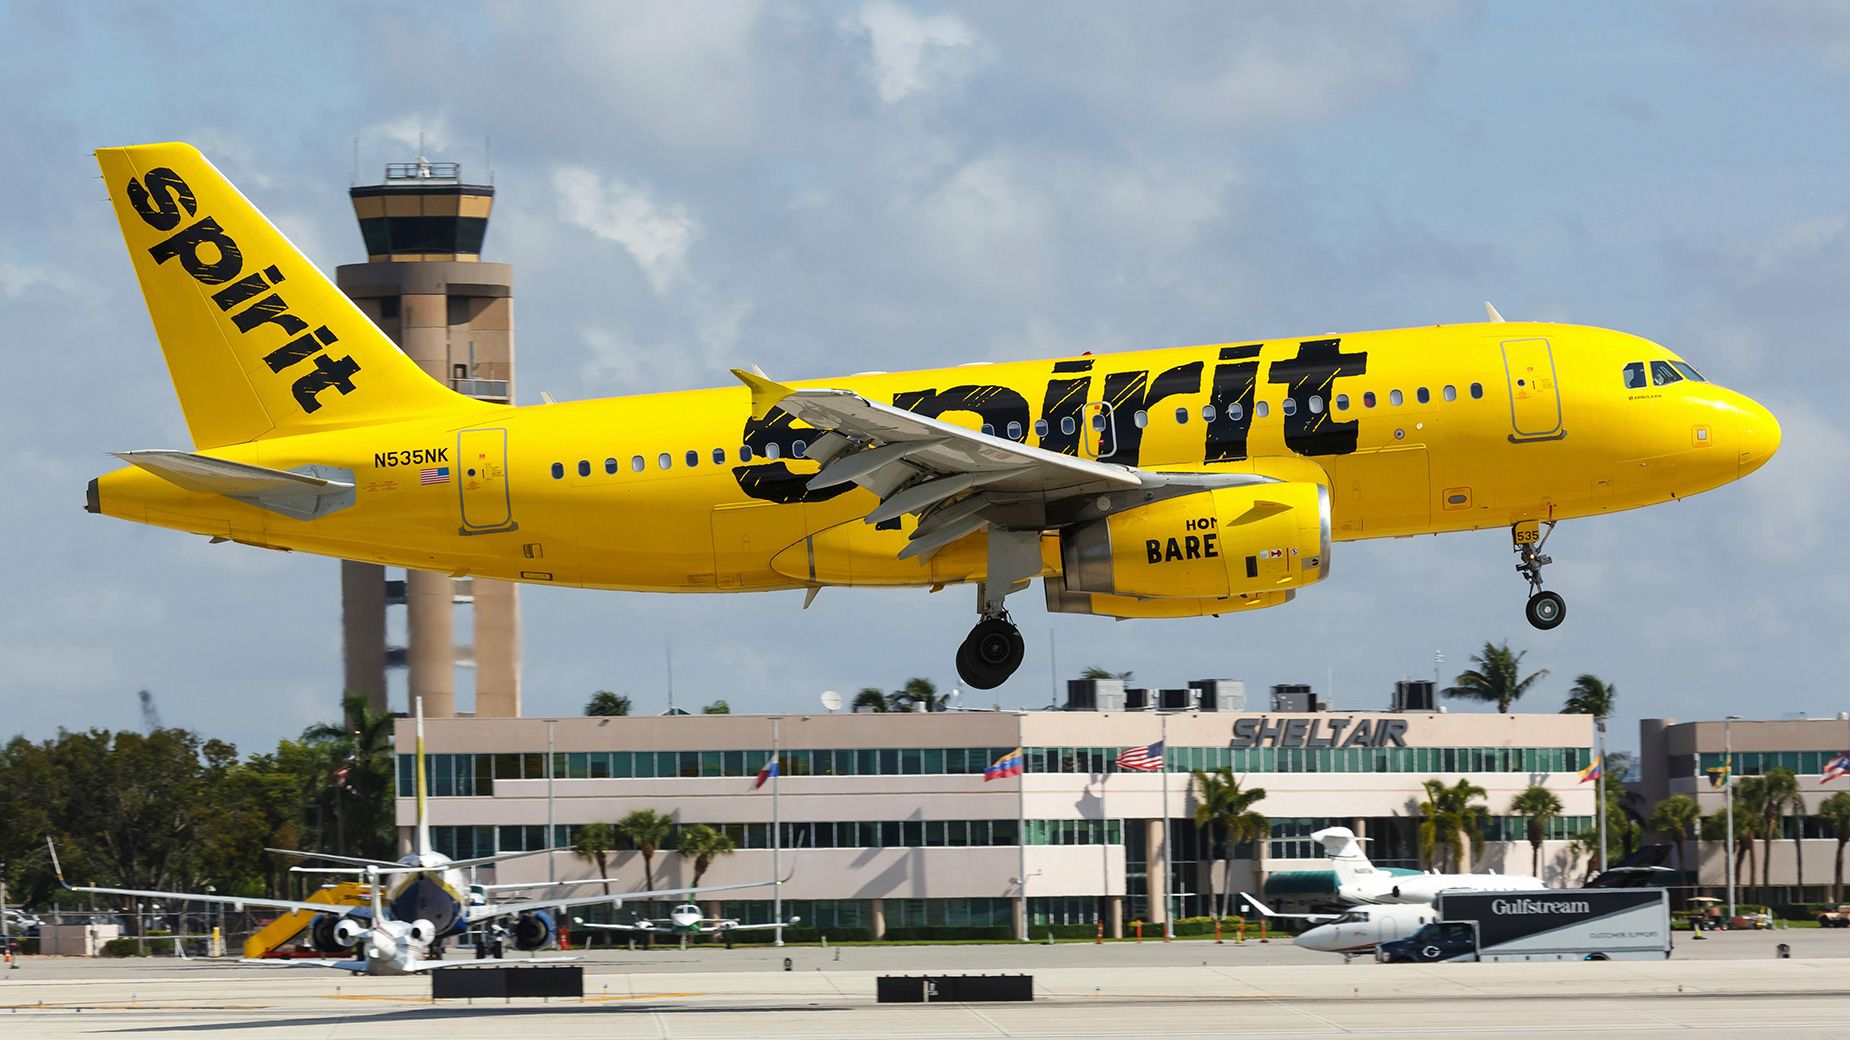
{"type": "Point", "coordinates": [245, 288]}
{"type": "Point", "coordinates": [379, 461]}
{"type": "Point", "coordinates": [185, 245]}
{"type": "Point", "coordinates": [1336, 727]}
{"type": "Point", "coordinates": [443, 455]}
{"type": "Point", "coordinates": [1294, 733]}
{"type": "Point", "coordinates": [773, 480]}
{"type": "Point", "coordinates": [1245, 732]}
{"type": "Point", "coordinates": [168, 193]}
{"type": "Point", "coordinates": [1391, 731]}
{"type": "Point", "coordinates": [1155, 550]}
{"type": "Point", "coordinates": [1317, 366]}
{"type": "Point", "coordinates": [1314, 740]}
{"type": "Point", "coordinates": [329, 372]}
{"type": "Point", "coordinates": [1192, 544]}
{"type": "Point", "coordinates": [1232, 398]}
{"type": "Point", "coordinates": [1210, 550]}
{"type": "Point", "coordinates": [1172, 551]}
{"type": "Point", "coordinates": [1132, 392]}
{"type": "Point", "coordinates": [997, 405]}
{"type": "Point", "coordinates": [1360, 736]}
{"type": "Point", "coordinates": [1268, 732]}
{"type": "Point", "coordinates": [272, 309]}
{"type": "Point", "coordinates": [1065, 399]}
{"type": "Point", "coordinates": [296, 350]}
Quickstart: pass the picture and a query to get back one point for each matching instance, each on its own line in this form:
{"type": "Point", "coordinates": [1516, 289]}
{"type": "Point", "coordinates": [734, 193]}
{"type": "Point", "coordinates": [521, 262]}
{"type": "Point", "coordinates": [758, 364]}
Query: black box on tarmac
{"type": "Point", "coordinates": [551, 980]}
{"type": "Point", "coordinates": [954, 989]}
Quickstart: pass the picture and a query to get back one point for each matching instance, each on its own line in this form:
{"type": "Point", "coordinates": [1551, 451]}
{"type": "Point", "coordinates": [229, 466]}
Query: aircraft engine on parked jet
{"type": "Point", "coordinates": [347, 931]}
{"type": "Point", "coordinates": [323, 932]}
{"type": "Point", "coordinates": [533, 930]}
{"type": "Point", "coordinates": [1224, 545]}
{"type": "Point", "coordinates": [423, 932]}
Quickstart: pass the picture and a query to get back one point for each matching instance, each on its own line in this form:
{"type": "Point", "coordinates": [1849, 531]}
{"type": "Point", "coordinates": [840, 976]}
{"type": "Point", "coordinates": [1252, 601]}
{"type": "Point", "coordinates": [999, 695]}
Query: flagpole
{"type": "Point", "coordinates": [1021, 818]}
{"type": "Point", "coordinates": [777, 838]}
{"type": "Point", "coordinates": [1169, 922]}
{"type": "Point", "coordinates": [1599, 791]}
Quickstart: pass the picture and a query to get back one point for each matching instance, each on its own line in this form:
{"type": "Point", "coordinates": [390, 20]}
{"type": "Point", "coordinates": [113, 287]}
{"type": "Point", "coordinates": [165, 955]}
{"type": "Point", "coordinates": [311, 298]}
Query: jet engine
{"type": "Point", "coordinates": [533, 930]}
{"type": "Point", "coordinates": [423, 932]}
{"type": "Point", "coordinates": [323, 932]}
{"type": "Point", "coordinates": [347, 932]}
{"type": "Point", "coordinates": [1212, 547]}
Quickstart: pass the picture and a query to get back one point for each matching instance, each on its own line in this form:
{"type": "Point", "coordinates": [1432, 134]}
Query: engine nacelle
{"type": "Point", "coordinates": [423, 932]}
{"type": "Point", "coordinates": [321, 931]}
{"type": "Point", "coordinates": [347, 932]}
{"type": "Point", "coordinates": [533, 930]}
{"type": "Point", "coordinates": [1211, 545]}
{"type": "Point", "coordinates": [1060, 601]}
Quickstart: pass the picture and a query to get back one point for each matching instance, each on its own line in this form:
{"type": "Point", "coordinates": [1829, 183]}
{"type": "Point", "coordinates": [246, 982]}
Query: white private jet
{"type": "Point", "coordinates": [1358, 881]}
{"type": "Point", "coordinates": [415, 903]}
{"type": "Point", "coordinates": [1356, 930]}
{"type": "Point", "coordinates": [685, 920]}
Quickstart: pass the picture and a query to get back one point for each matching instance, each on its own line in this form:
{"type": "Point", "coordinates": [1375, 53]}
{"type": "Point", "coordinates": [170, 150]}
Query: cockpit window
{"type": "Point", "coordinates": [1352, 917]}
{"type": "Point", "coordinates": [1662, 374]}
{"type": "Point", "coordinates": [1688, 372]}
{"type": "Point", "coordinates": [1634, 375]}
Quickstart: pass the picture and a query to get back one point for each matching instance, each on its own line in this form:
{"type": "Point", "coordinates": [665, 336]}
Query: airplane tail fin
{"type": "Point", "coordinates": [1345, 852]}
{"type": "Point", "coordinates": [423, 837]}
{"type": "Point", "coordinates": [258, 342]}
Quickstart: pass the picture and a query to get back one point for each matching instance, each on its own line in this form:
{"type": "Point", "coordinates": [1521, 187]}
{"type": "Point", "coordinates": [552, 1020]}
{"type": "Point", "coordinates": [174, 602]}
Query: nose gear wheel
{"type": "Point", "coordinates": [1545, 610]}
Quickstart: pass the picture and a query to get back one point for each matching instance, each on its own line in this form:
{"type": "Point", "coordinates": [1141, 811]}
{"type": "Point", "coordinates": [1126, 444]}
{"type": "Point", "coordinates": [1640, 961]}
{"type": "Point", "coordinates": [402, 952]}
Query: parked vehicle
{"type": "Point", "coordinates": [1838, 918]}
{"type": "Point", "coordinates": [1551, 925]}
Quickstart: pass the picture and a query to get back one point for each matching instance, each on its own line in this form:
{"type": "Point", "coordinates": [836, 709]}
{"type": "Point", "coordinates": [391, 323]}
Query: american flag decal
{"type": "Point", "coordinates": [434, 475]}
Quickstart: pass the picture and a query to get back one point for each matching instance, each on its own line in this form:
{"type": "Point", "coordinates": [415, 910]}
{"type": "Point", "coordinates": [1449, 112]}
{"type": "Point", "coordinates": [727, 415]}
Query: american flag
{"type": "Point", "coordinates": [1142, 759]}
{"type": "Point", "coordinates": [1836, 767]}
{"type": "Point", "coordinates": [434, 475]}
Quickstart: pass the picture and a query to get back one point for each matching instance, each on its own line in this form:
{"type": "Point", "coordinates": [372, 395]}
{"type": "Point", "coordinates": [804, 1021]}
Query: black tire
{"type": "Point", "coordinates": [1546, 610]}
{"type": "Point", "coordinates": [990, 654]}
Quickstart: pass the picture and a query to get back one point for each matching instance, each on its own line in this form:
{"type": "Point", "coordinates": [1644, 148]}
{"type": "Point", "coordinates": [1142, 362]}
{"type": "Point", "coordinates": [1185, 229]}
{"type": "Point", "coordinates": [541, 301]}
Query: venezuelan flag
{"type": "Point", "coordinates": [1592, 772]}
{"type": "Point", "coordinates": [1008, 765]}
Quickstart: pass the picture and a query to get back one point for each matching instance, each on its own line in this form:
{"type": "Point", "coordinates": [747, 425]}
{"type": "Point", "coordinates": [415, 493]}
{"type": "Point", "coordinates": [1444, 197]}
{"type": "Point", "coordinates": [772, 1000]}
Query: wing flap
{"type": "Point", "coordinates": [303, 493]}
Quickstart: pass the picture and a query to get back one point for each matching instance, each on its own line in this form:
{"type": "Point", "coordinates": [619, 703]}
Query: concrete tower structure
{"type": "Point", "coordinates": [425, 285]}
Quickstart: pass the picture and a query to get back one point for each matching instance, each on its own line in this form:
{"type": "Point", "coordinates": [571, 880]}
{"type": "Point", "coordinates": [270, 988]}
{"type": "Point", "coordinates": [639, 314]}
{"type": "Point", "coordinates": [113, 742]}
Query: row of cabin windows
{"type": "Point", "coordinates": [1663, 373]}
{"type": "Point", "coordinates": [690, 459]}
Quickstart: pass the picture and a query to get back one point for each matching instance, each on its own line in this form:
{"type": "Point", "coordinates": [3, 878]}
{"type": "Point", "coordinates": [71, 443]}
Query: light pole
{"type": "Point", "coordinates": [1728, 800]}
{"type": "Point", "coordinates": [1599, 790]}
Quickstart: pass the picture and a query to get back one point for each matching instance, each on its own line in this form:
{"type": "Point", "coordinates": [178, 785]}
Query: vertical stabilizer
{"type": "Point", "coordinates": [423, 835]}
{"type": "Point", "coordinates": [1346, 855]}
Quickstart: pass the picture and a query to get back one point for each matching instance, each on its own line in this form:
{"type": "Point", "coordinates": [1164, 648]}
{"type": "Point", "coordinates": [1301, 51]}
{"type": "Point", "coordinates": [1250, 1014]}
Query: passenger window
{"type": "Point", "coordinates": [610, 465]}
{"type": "Point", "coordinates": [1181, 417]}
{"type": "Point", "coordinates": [1140, 419]}
{"type": "Point", "coordinates": [989, 430]}
{"type": "Point", "coordinates": [719, 456]}
{"type": "Point", "coordinates": [636, 463]}
{"type": "Point", "coordinates": [773, 450]}
{"type": "Point", "coordinates": [1451, 392]}
{"type": "Point", "coordinates": [1067, 426]}
{"type": "Point", "coordinates": [664, 460]}
{"type": "Point", "coordinates": [1316, 404]}
{"type": "Point", "coordinates": [1208, 413]}
{"type": "Point", "coordinates": [1634, 375]}
{"type": "Point", "coordinates": [1040, 428]}
{"type": "Point", "coordinates": [1688, 372]}
{"type": "Point", "coordinates": [797, 448]}
{"type": "Point", "coordinates": [1261, 410]}
{"type": "Point", "coordinates": [584, 467]}
{"type": "Point", "coordinates": [1662, 374]}
{"type": "Point", "coordinates": [1342, 402]}
{"type": "Point", "coordinates": [1291, 406]}
{"type": "Point", "coordinates": [693, 458]}
{"type": "Point", "coordinates": [1014, 431]}
{"type": "Point", "coordinates": [1368, 399]}
{"type": "Point", "coordinates": [1477, 391]}
{"type": "Point", "coordinates": [1236, 411]}
{"type": "Point", "coordinates": [558, 471]}
{"type": "Point", "coordinates": [745, 453]}
{"type": "Point", "coordinates": [1423, 395]}
{"type": "Point", "coordinates": [1098, 421]}
{"type": "Point", "coordinates": [1394, 398]}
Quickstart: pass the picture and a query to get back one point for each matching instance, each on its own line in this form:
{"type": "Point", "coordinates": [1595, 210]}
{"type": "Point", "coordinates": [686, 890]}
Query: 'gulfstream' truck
{"type": "Point", "coordinates": [1571, 924]}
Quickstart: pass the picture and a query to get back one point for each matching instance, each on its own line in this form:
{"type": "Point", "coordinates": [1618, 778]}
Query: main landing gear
{"type": "Point", "coordinates": [991, 652]}
{"type": "Point", "coordinates": [1545, 610]}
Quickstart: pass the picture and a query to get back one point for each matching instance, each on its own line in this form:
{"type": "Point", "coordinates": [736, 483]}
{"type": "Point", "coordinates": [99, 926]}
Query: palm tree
{"type": "Point", "coordinates": [1781, 796]}
{"type": "Point", "coordinates": [1494, 680]}
{"type": "Point", "coordinates": [647, 830]}
{"type": "Point", "coordinates": [1749, 806]}
{"type": "Point", "coordinates": [719, 707]}
{"type": "Point", "coordinates": [917, 694]}
{"type": "Point", "coordinates": [1095, 672]}
{"type": "Point", "coordinates": [603, 702]}
{"type": "Point", "coordinates": [870, 699]}
{"type": "Point", "coordinates": [1222, 806]}
{"type": "Point", "coordinates": [704, 844]}
{"type": "Point", "coordinates": [1677, 817]}
{"type": "Point", "coordinates": [1591, 696]}
{"type": "Point", "coordinates": [1449, 820]}
{"type": "Point", "coordinates": [593, 841]}
{"type": "Point", "coordinates": [1835, 812]}
{"type": "Point", "coordinates": [357, 752]}
{"type": "Point", "coordinates": [1540, 805]}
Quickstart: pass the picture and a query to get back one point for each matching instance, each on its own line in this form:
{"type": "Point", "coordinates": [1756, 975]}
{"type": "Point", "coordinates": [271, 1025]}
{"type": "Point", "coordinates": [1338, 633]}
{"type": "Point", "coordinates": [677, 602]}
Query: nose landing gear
{"type": "Point", "coordinates": [1545, 610]}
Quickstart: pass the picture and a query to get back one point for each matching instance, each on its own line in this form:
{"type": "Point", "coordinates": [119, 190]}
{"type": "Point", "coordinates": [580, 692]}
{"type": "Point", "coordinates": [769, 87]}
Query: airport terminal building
{"type": "Point", "coordinates": [887, 822]}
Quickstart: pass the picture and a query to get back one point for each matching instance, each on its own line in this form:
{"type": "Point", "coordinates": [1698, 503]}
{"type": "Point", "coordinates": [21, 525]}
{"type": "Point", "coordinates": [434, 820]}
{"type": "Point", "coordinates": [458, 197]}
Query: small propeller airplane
{"type": "Point", "coordinates": [685, 920]}
{"type": "Point", "coordinates": [415, 903]}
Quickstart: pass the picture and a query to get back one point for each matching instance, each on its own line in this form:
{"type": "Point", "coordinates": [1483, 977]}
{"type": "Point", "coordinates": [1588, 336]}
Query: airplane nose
{"type": "Point", "coordinates": [1758, 438]}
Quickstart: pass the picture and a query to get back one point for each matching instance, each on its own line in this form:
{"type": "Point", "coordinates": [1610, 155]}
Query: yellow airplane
{"type": "Point", "coordinates": [1177, 482]}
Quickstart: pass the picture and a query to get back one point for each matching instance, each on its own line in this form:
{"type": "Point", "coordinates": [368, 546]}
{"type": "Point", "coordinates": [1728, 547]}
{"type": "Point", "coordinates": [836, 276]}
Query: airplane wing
{"type": "Point", "coordinates": [726, 927]}
{"type": "Point", "coordinates": [528, 886]}
{"type": "Point", "coordinates": [466, 965]}
{"type": "Point", "coordinates": [235, 902]}
{"type": "Point", "coordinates": [362, 861]}
{"type": "Point", "coordinates": [644, 927]}
{"type": "Point", "coordinates": [916, 464]}
{"type": "Point", "coordinates": [301, 962]}
{"type": "Point", "coordinates": [1269, 912]}
{"type": "Point", "coordinates": [304, 493]}
{"type": "Point", "coordinates": [488, 910]}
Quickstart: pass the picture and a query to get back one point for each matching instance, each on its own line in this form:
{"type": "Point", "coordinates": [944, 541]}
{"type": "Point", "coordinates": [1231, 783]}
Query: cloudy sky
{"type": "Point", "coordinates": [826, 188]}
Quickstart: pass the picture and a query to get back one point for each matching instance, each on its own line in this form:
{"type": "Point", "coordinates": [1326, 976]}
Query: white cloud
{"type": "Point", "coordinates": [989, 229]}
{"type": "Point", "coordinates": [411, 134]}
{"type": "Point", "coordinates": [17, 279]}
{"type": "Point", "coordinates": [657, 237]}
{"type": "Point", "coordinates": [912, 53]}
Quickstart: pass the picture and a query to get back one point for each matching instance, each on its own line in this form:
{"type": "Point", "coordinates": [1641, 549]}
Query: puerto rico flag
{"type": "Point", "coordinates": [1835, 768]}
{"type": "Point", "coordinates": [434, 475]}
{"type": "Point", "coordinates": [1008, 765]}
{"type": "Point", "coordinates": [1142, 759]}
{"type": "Point", "coordinates": [1592, 772]}
{"type": "Point", "coordinates": [765, 774]}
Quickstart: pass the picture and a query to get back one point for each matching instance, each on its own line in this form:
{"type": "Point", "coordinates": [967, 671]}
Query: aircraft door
{"type": "Point", "coordinates": [1535, 400]}
{"type": "Point", "coordinates": [1098, 435]}
{"type": "Point", "coordinates": [484, 498]}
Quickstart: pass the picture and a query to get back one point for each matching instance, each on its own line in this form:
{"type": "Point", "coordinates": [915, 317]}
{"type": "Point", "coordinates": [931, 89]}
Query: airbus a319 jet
{"type": "Point", "coordinates": [1176, 482]}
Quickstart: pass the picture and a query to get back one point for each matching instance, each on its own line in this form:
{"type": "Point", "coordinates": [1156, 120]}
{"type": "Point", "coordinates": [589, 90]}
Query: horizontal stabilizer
{"type": "Point", "coordinates": [303, 493]}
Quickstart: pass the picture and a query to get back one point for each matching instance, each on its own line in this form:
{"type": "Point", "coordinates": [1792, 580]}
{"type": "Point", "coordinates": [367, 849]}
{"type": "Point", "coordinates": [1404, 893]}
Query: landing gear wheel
{"type": "Point", "coordinates": [1545, 610]}
{"type": "Point", "coordinates": [990, 653]}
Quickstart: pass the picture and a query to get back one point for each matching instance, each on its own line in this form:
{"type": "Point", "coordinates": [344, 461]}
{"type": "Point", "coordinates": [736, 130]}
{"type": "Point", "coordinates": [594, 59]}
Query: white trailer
{"type": "Point", "coordinates": [1575, 924]}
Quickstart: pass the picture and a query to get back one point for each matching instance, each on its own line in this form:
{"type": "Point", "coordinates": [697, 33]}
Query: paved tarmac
{"type": "Point", "coordinates": [1731, 985]}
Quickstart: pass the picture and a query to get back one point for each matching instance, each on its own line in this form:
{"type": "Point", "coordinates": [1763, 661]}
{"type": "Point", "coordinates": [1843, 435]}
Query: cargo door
{"type": "Point", "coordinates": [1535, 400]}
{"type": "Point", "coordinates": [481, 480]}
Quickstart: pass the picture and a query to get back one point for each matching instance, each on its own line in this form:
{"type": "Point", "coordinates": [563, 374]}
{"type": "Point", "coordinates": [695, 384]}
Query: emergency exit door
{"type": "Point", "coordinates": [1535, 400]}
{"type": "Point", "coordinates": [481, 480]}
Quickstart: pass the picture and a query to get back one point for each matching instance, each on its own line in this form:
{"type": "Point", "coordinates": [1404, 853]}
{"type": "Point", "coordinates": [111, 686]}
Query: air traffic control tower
{"type": "Point", "coordinates": [424, 284]}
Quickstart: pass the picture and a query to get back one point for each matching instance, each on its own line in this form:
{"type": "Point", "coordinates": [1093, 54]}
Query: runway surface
{"type": "Point", "coordinates": [1730, 985]}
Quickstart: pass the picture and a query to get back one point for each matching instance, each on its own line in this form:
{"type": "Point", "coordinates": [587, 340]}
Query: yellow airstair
{"type": "Point", "coordinates": [281, 931]}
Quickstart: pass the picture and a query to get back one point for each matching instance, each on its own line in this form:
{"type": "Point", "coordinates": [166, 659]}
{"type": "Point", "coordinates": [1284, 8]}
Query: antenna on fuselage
{"type": "Point", "coordinates": [1492, 311]}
